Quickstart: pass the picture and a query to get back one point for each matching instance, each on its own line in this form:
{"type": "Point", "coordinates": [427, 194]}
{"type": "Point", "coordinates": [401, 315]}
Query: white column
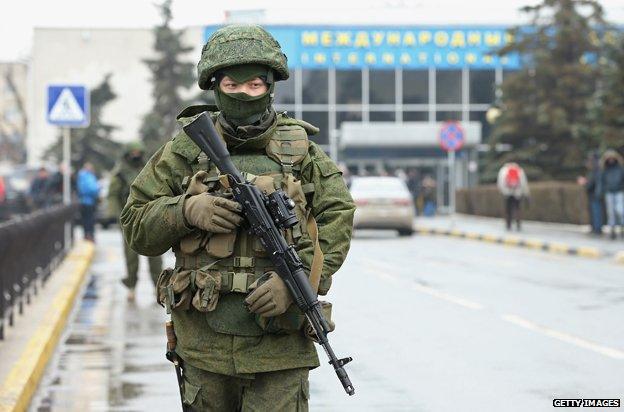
{"type": "Point", "coordinates": [432, 94]}
{"type": "Point", "coordinates": [465, 94]}
{"type": "Point", "coordinates": [365, 95]}
{"type": "Point", "coordinates": [398, 95]}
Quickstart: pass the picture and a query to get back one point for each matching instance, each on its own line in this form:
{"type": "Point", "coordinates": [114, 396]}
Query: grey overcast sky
{"type": "Point", "coordinates": [18, 19]}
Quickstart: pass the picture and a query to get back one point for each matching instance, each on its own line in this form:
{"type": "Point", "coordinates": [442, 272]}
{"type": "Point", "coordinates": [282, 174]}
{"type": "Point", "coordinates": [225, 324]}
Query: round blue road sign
{"type": "Point", "coordinates": [452, 136]}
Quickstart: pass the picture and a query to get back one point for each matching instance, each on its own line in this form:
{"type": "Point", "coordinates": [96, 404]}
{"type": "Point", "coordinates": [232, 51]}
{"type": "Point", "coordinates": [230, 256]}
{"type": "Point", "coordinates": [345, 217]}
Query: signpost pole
{"type": "Point", "coordinates": [452, 139]}
{"type": "Point", "coordinates": [66, 171]}
{"type": "Point", "coordinates": [451, 168]}
{"type": "Point", "coordinates": [68, 106]}
{"type": "Point", "coordinates": [67, 181]}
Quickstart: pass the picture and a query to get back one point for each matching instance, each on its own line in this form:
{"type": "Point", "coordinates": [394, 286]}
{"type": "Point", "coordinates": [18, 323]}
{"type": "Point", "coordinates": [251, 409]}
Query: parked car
{"type": "Point", "coordinates": [383, 203]}
{"type": "Point", "coordinates": [16, 187]}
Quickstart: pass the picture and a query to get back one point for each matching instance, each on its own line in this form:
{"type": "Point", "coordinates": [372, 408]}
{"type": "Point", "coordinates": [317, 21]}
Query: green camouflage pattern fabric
{"type": "Point", "coordinates": [132, 267]}
{"type": "Point", "coordinates": [153, 222]}
{"type": "Point", "coordinates": [284, 390]}
{"type": "Point", "coordinates": [240, 44]}
{"type": "Point", "coordinates": [119, 188]}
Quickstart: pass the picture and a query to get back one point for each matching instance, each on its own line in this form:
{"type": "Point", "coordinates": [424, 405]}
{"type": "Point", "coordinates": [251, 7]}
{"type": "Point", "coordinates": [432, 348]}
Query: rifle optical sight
{"type": "Point", "coordinates": [281, 208]}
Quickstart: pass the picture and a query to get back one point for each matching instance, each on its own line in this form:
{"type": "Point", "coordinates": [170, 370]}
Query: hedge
{"type": "Point", "coordinates": [558, 202]}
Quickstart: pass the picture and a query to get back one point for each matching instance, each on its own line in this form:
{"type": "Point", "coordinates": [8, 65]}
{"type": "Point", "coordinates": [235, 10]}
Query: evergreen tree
{"type": "Point", "coordinates": [169, 75]}
{"type": "Point", "coordinates": [607, 110]}
{"type": "Point", "coordinates": [544, 104]}
{"type": "Point", "coordinates": [93, 143]}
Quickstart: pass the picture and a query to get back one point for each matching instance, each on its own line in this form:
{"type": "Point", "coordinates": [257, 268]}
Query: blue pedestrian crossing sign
{"type": "Point", "coordinates": [68, 105]}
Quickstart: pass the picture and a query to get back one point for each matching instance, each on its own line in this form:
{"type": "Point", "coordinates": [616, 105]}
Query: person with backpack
{"type": "Point", "coordinates": [513, 185]}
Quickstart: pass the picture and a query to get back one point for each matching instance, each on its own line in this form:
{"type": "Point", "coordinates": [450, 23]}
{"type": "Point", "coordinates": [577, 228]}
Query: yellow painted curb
{"type": "Point", "coordinates": [558, 248]}
{"type": "Point", "coordinates": [457, 233]}
{"type": "Point", "coordinates": [511, 241]}
{"type": "Point", "coordinates": [534, 243]}
{"type": "Point", "coordinates": [619, 257]}
{"type": "Point", "coordinates": [589, 252]}
{"type": "Point", "coordinates": [472, 235]}
{"type": "Point", "coordinates": [21, 382]}
{"type": "Point", "coordinates": [490, 238]}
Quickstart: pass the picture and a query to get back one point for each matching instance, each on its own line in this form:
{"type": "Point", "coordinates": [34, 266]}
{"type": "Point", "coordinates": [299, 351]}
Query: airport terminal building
{"type": "Point", "coordinates": [400, 83]}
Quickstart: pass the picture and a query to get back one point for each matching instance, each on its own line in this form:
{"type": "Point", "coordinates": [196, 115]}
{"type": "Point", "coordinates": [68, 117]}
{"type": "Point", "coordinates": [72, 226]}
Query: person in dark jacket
{"type": "Point", "coordinates": [612, 188]}
{"type": "Point", "coordinates": [591, 183]}
{"type": "Point", "coordinates": [39, 189]}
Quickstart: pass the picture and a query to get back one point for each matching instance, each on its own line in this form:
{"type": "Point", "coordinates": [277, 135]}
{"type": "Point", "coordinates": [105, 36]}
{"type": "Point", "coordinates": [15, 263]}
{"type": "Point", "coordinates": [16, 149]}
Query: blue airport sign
{"type": "Point", "coordinates": [387, 47]}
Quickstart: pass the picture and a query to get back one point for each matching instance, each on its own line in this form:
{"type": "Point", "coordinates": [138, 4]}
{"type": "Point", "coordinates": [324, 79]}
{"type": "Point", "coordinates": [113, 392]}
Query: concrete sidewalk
{"type": "Point", "coordinates": [551, 237]}
{"type": "Point", "coordinates": [29, 345]}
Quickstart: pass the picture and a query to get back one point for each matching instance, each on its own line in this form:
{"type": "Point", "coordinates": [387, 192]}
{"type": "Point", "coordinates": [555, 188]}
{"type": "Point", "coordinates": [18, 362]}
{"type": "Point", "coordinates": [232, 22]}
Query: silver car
{"type": "Point", "coordinates": [383, 203]}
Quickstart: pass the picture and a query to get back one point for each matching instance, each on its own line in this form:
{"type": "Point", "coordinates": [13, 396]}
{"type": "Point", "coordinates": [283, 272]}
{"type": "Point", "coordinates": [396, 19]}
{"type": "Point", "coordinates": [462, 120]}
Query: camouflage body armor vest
{"type": "Point", "coordinates": [214, 271]}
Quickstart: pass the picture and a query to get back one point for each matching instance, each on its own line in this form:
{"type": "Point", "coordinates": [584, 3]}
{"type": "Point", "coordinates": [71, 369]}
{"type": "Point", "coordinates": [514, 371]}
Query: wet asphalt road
{"type": "Point", "coordinates": [433, 324]}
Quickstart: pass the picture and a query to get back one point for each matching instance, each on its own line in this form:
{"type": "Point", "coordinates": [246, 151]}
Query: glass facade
{"type": "Point", "coordinates": [329, 97]}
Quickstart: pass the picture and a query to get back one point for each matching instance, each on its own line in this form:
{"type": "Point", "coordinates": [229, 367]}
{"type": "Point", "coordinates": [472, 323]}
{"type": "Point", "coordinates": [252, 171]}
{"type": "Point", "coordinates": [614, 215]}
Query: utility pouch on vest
{"type": "Point", "coordinates": [178, 289]}
{"type": "Point", "coordinates": [194, 242]}
{"type": "Point", "coordinates": [221, 245]}
{"type": "Point", "coordinates": [208, 285]}
{"type": "Point", "coordinates": [173, 289]}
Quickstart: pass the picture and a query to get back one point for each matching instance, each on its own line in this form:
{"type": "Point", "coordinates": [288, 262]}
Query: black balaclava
{"type": "Point", "coordinates": [241, 109]}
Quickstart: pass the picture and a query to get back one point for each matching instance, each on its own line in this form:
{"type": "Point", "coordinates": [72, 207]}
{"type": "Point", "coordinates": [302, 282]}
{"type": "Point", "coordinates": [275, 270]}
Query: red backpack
{"type": "Point", "coordinates": [512, 178]}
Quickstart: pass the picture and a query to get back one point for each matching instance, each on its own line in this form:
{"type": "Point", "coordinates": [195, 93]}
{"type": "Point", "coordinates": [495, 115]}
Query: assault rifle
{"type": "Point", "coordinates": [267, 216]}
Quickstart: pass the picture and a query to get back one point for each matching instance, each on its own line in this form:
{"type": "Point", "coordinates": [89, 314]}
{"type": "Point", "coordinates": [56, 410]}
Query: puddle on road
{"type": "Point", "coordinates": [111, 358]}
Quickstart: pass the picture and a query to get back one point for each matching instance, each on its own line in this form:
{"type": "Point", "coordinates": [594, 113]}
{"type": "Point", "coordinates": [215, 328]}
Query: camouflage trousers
{"type": "Point", "coordinates": [132, 267]}
{"type": "Point", "coordinates": [286, 390]}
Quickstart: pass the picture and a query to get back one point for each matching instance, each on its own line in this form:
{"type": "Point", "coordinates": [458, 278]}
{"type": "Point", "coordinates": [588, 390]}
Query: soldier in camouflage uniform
{"type": "Point", "coordinates": [243, 343]}
{"type": "Point", "coordinates": [119, 188]}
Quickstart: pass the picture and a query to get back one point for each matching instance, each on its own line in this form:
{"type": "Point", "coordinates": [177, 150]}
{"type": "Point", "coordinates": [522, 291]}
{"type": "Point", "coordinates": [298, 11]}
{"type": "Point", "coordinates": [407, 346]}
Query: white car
{"type": "Point", "coordinates": [383, 203]}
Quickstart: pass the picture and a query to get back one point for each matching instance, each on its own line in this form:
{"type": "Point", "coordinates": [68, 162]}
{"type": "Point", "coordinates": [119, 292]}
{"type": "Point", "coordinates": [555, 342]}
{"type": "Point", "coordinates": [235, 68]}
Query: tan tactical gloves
{"type": "Point", "coordinates": [212, 214]}
{"type": "Point", "coordinates": [271, 298]}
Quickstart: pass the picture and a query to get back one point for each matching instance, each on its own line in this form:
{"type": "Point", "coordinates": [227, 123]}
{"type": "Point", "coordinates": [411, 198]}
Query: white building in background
{"type": "Point", "coordinates": [85, 56]}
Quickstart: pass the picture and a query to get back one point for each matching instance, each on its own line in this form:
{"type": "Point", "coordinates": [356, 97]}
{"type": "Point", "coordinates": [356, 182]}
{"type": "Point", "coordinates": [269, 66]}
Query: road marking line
{"type": "Point", "coordinates": [447, 297]}
{"type": "Point", "coordinates": [574, 340]}
{"type": "Point", "coordinates": [384, 275]}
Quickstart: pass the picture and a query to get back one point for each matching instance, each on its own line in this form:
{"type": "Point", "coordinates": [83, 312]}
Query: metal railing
{"type": "Point", "coordinates": [31, 247]}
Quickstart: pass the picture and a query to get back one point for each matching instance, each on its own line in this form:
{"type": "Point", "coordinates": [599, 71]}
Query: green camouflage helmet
{"type": "Point", "coordinates": [132, 146]}
{"type": "Point", "coordinates": [240, 44]}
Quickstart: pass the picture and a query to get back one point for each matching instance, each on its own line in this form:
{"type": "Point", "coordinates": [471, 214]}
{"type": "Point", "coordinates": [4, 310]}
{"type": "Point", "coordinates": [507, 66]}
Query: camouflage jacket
{"type": "Point", "coordinates": [153, 222]}
{"type": "Point", "coordinates": [119, 187]}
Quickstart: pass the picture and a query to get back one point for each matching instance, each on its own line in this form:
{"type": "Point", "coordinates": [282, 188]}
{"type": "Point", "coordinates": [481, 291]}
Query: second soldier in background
{"type": "Point", "coordinates": [123, 174]}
